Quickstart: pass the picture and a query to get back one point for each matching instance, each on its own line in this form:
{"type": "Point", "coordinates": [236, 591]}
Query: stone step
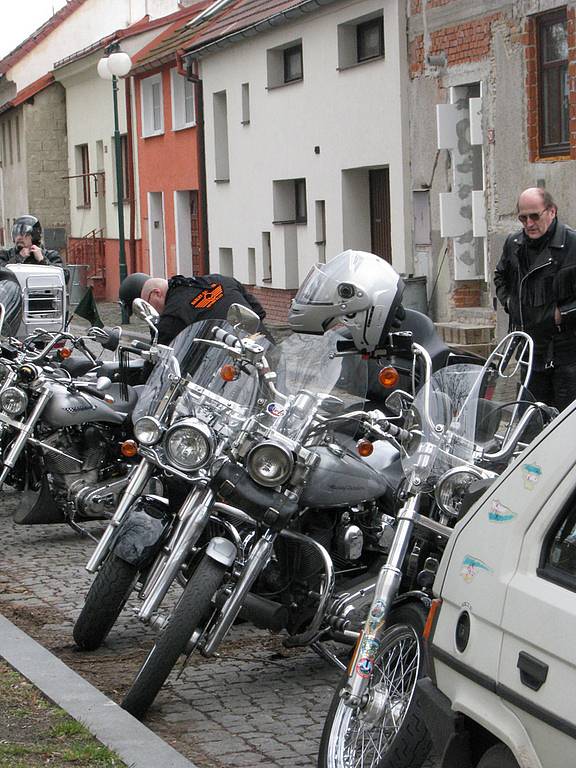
{"type": "Point", "coordinates": [463, 334]}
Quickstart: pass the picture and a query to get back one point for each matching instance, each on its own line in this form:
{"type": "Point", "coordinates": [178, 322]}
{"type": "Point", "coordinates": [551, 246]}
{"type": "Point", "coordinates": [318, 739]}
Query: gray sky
{"type": "Point", "coordinates": [19, 18]}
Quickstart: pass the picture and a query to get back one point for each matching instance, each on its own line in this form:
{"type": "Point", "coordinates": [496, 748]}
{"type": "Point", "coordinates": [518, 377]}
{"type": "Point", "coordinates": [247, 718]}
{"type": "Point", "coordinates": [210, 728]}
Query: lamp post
{"type": "Point", "coordinates": [112, 66]}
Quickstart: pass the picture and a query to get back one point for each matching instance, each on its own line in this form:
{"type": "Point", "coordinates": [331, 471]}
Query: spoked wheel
{"type": "Point", "coordinates": [390, 731]}
{"type": "Point", "coordinates": [192, 611]}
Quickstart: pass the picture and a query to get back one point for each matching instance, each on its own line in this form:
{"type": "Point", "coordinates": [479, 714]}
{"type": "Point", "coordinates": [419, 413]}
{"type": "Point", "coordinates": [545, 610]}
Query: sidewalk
{"type": "Point", "coordinates": [132, 741]}
{"type": "Point", "coordinates": [110, 314]}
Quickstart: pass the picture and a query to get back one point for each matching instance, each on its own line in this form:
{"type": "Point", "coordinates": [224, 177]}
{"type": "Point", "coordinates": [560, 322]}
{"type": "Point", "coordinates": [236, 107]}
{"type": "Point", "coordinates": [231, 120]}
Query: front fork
{"type": "Point", "coordinates": [387, 586]}
{"type": "Point", "coordinates": [138, 479]}
{"type": "Point", "coordinates": [9, 461]}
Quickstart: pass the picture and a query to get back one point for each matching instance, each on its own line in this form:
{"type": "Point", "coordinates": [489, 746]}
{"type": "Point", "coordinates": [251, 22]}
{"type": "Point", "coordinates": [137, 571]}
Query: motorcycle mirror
{"type": "Point", "coordinates": [398, 401]}
{"type": "Point", "coordinates": [111, 339]}
{"type": "Point", "coordinates": [103, 383]}
{"type": "Point", "coordinates": [146, 312]}
{"type": "Point", "coordinates": [243, 317]}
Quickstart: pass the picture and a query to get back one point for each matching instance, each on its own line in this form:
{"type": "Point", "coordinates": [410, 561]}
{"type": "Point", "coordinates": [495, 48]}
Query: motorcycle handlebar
{"type": "Point", "coordinates": [225, 337]}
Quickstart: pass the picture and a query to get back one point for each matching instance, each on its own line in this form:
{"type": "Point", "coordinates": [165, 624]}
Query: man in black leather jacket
{"type": "Point", "coordinates": [182, 301]}
{"type": "Point", "coordinates": [535, 282]}
{"type": "Point", "coordinates": [28, 247]}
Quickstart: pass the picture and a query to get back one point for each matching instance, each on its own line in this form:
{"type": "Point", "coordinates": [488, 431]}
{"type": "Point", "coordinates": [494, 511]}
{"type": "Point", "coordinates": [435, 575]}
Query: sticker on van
{"type": "Point", "coordinates": [471, 566]}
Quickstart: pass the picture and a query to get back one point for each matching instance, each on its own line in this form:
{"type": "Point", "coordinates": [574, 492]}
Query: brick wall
{"type": "Point", "coordinates": [467, 293]}
{"type": "Point", "coordinates": [47, 157]}
{"type": "Point", "coordinates": [276, 302]}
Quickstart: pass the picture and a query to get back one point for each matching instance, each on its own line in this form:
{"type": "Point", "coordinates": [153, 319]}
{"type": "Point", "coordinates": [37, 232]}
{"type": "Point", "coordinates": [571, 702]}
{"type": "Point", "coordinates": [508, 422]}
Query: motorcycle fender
{"type": "Point", "coordinates": [222, 551]}
{"type": "Point", "coordinates": [140, 536]}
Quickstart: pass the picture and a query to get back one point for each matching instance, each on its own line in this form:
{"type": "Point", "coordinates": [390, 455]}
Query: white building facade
{"type": "Point", "coordinates": [305, 149]}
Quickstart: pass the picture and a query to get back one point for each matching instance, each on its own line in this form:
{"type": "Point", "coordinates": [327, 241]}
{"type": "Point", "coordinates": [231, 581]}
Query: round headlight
{"type": "Point", "coordinates": [13, 401]}
{"type": "Point", "coordinates": [189, 444]}
{"type": "Point", "coordinates": [269, 464]}
{"type": "Point", "coordinates": [452, 487]}
{"type": "Point", "coordinates": [28, 373]}
{"type": "Point", "coordinates": [147, 430]}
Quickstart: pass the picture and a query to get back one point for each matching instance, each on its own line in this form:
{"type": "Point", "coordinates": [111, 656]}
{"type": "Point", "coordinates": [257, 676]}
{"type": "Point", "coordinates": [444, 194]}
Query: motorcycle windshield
{"type": "Point", "coordinates": [466, 409]}
{"type": "Point", "coordinates": [311, 374]}
{"type": "Point", "coordinates": [200, 363]}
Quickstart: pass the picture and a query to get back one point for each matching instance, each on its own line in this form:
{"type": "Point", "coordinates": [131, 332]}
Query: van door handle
{"type": "Point", "coordinates": [533, 672]}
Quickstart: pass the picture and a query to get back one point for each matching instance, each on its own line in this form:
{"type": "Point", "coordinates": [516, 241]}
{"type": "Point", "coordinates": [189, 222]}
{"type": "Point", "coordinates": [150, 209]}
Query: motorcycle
{"type": "Point", "coordinates": [192, 406]}
{"type": "Point", "coordinates": [304, 522]}
{"type": "Point", "coordinates": [63, 441]}
{"type": "Point", "coordinates": [464, 427]}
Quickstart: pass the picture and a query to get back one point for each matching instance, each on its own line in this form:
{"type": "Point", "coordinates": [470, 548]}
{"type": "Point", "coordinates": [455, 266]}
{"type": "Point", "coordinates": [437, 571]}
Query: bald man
{"type": "Point", "coordinates": [535, 282]}
{"type": "Point", "coordinates": [182, 301]}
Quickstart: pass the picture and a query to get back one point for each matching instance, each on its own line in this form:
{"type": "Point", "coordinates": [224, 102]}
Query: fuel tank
{"type": "Point", "coordinates": [67, 408]}
{"type": "Point", "coordinates": [342, 478]}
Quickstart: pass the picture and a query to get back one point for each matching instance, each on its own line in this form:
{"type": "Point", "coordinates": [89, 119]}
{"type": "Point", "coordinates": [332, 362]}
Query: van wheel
{"type": "Point", "coordinates": [498, 756]}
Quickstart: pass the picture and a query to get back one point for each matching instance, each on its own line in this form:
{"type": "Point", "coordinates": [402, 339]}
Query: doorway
{"type": "Point", "coordinates": [380, 229]}
{"type": "Point", "coordinates": [156, 237]}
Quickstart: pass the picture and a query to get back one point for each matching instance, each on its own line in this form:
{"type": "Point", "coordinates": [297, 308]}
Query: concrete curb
{"type": "Point", "coordinates": [134, 743]}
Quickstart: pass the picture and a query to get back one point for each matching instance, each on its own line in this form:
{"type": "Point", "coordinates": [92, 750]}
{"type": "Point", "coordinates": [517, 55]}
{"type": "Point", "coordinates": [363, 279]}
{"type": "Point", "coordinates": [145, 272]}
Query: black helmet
{"type": "Point", "coordinates": [131, 288]}
{"type": "Point", "coordinates": [27, 225]}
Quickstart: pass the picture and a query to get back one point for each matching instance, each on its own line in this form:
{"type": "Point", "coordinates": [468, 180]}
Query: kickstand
{"type": "Point", "coordinates": [81, 531]}
{"type": "Point", "coordinates": [328, 656]}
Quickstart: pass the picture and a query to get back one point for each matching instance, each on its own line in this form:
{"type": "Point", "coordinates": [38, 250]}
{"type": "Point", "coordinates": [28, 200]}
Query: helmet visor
{"type": "Point", "coordinates": [342, 277]}
{"type": "Point", "coordinates": [22, 228]}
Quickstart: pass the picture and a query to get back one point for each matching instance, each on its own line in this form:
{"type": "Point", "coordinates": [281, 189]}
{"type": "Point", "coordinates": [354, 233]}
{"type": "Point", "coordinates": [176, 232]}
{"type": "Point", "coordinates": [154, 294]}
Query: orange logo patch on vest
{"type": "Point", "coordinates": [208, 297]}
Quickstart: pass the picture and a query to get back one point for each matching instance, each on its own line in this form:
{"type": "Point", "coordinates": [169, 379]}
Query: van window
{"type": "Point", "coordinates": [558, 561]}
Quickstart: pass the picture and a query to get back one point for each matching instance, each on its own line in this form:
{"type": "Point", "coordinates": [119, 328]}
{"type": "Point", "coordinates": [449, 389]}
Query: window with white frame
{"type": "Point", "coordinates": [152, 106]}
{"type": "Point", "coordinates": [285, 64]}
{"type": "Point", "coordinates": [183, 107]}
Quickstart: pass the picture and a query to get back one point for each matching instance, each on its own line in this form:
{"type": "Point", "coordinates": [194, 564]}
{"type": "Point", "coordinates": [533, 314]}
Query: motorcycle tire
{"type": "Point", "coordinates": [193, 608]}
{"type": "Point", "coordinates": [388, 745]}
{"type": "Point", "coordinates": [104, 602]}
{"type": "Point", "coordinates": [498, 756]}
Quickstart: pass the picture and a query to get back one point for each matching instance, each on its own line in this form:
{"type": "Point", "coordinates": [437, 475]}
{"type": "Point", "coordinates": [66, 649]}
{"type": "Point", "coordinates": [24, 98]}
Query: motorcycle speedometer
{"type": "Point", "coordinates": [148, 430]}
{"type": "Point", "coordinates": [189, 444]}
{"type": "Point", "coordinates": [13, 401]}
{"type": "Point", "coordinates": [269, 464]}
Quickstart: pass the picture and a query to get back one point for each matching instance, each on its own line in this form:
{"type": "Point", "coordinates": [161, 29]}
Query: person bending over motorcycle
{"type": "Point", "coordinates": [182, 301]}
{"type": "Point", "coordinates": [28, 247]}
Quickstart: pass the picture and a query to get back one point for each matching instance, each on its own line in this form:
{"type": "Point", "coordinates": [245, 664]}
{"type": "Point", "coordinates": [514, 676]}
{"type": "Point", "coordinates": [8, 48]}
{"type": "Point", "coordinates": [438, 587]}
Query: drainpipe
{"type": "Point", "coordinates": [130, 162]}
{"type": "Point", "coordinates": [191, 73]}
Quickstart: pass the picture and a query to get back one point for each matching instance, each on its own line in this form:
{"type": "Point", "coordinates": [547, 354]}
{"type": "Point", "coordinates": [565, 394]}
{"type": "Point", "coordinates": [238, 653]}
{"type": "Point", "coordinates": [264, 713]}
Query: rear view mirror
{"type": "Point", "coordinates": [144, 311]}
{"type": "Point", "coordinates": [242, 317]}
{"type": "Point", "coordinates": [398, 401]}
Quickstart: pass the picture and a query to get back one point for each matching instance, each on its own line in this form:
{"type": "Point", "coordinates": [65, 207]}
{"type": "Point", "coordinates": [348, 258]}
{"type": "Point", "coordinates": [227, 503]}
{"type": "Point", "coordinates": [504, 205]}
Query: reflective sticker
{"type": "Point", "coordinates": [500, 513]}
{"type": "Point", "coordinates": [377, 609]}
{"type": "Point", "coordinates": [532, 474]}
{"type": "Point", "coordinates": [471, 566]}
{"type": "Point", "coordinates": [275, 409]}
{"type": "Point", "coordinates": [364, 668]}
{"type": "Point", "coordinates": [370, 647]}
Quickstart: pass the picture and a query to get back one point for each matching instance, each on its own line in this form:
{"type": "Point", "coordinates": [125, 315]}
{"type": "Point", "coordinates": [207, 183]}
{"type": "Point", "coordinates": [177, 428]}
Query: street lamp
{"type": "Point", "coordinates": [113, 65]}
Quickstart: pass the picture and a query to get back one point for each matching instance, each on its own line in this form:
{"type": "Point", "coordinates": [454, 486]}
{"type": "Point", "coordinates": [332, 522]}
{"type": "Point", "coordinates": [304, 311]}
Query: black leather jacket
{"type": "Point", "coordinates": [191, 299]}
{"type": "Point", "coordinates": [12, 256]}
{"type": "Point", "coordinates": [530, 292]}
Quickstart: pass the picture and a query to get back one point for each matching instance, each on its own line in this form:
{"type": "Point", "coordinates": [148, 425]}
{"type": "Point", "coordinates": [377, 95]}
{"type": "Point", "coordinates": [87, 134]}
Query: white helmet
{"type": "Point", "coordinates": [355, 288]}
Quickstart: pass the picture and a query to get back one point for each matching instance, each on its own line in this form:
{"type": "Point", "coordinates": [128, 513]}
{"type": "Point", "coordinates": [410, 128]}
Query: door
{"type": "Point", "coordinates": [380, 231]}
{"type": "Point", "coordinates": [156, 240]}
{"type": "Point", "coordinates": [182, 213]}
{"type": "Point", "coordinates": [537, 669]}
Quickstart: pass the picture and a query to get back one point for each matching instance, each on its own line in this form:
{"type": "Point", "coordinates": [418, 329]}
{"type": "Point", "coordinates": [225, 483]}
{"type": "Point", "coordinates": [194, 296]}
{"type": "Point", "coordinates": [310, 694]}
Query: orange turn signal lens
{"type": "Point", "coordinates": [365, 447]}
{"type": "Point", "coordinates": [129, 448]}
{"type": "Point", "coordinates": [388, 377]}
{"type": "Point", "coordinates": [432, 616]}
{"type": "Point", "coordinates": [64, 353]}
{"type": "Point", "coordinates": [228, 372]}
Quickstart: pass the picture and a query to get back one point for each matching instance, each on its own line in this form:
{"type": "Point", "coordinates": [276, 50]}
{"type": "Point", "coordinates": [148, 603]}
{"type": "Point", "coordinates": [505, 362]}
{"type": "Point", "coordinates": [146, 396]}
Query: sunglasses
{"type": "Point", "coordinates": [523, 217]}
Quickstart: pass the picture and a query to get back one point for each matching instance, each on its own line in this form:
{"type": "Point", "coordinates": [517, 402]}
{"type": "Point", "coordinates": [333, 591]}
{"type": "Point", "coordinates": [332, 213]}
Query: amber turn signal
{"type": "Point", "coordinates": [129, 448]}
{"type": "Point", "coordinates": [432, 616]}
{"type": "Point", "coordinates": [64, 353]}
{"type": "Point", "coordinates": [388, 377]}
{"type": "Point", "coordinates": [228, 372]}
{"type": "Point", "coordinates": [365, 447]}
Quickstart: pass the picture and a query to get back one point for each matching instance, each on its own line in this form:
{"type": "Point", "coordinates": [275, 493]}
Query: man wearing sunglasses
{"type": "Point", "coordinates": [535, 282]}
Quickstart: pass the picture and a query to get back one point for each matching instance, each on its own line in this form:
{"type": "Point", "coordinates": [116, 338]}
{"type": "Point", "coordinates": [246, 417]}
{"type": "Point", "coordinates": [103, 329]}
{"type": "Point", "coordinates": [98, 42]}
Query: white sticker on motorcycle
{"type": "Point", "coordinates": [275, 409]}
{"type": "Point", "coordinates": [471, 566]}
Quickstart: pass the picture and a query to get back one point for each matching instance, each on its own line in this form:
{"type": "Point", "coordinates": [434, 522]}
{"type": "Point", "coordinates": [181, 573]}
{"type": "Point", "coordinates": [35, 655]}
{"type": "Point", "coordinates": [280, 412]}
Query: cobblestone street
{"type": "Point", "coordinates": [256, 705]}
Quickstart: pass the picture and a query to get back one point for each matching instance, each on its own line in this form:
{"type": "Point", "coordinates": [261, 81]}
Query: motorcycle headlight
{"type": "Point", "coordinates": [189, 444]}
{"type": "Point", "coordinates": [13, 401]}
{"type": "Point", "coordinates": [452, 487]}
{"type": "Point", "coordinates": [148, 430]}
{"type": "Point", "coordinates": [269, 464]}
